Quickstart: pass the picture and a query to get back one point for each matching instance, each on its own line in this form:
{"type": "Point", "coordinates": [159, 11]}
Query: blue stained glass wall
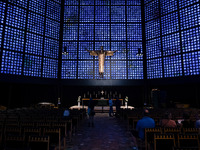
{"type": "Point", "coordinates": [113, 24]}
{"type": "Point", "coordinates": [29, 37]}
{"type": "Point", "coordinates": [172, 37]}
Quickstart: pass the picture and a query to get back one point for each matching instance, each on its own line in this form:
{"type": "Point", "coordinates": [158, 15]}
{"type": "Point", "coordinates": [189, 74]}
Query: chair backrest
{"type": "Point", "coordinates": [14, 141]}
{"type": "Point", "coordinates": [39, 142]}
{"type": "Point", "coordinates": [188, 140]}
{"type": "Point", "coordinates": [190, 130]}
{"type": "Point", "coordinates": [149, 134]}
{"type": "Point", "coordinates": [174, 131]}
{"type": "Point", "coordinates": [54, 134]}
{"type": "Point", "coordinates": [164, 141]}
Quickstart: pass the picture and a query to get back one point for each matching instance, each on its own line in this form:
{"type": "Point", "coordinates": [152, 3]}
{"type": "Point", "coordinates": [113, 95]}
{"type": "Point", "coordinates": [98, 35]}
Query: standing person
{"type": "Point", "coordinates": [117, 104]}
{"type": "Point", "coordinates": [91, 112]}
{"type": "Point", "coordinates": [111, 107]}
{"type": "Point", "coordinates": [145, 122]}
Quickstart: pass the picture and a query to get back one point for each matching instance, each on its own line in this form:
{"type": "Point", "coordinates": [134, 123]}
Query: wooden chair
{"type": "Point", "coordinates": [188, 141]}
{"type": "Point", "coordinates": [55, 136]}
{"type": "Point", "coordinates": [132, 122]}
{"type": "Point", "coordinates": [164, 141]}
{"type": "Point", "coordinates": [31, 131]}
{"type": "Point", "coordinates": [38, 142]}
{"type": "Point", "coordinates": [14, 142]}
{"type": "Point", "coordinates": [13, 131]}
{"type": "Point", "coordinates": [191, 130]}
{"type": "Point", "coordinates": [175, 131]}
{"type": "Point", "coordinates": [149, 136]}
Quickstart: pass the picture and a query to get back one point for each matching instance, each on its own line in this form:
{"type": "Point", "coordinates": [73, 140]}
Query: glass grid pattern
{"type": "Point", "coordinates": [85, 69]}
{"type": "Point", "coordinates": [71, 2]}
{"type": "Point", "coordinates": [32, 65]}
{"type": "Point", "coordinates": [1, 30]}
{"type": "Point", "coordinates": [69, 50]}
{"type": "Point", "coordinates": [16, 17]}
{"type": "Point", "coordinates": [102, 32]}
{"type": "Point", "coordinates": [134, 14]}
{"type": "Point", "coordinates": [167, 6]}
{"type": "Point", "coordinates": [191, 63]}
{"type": "Point", "coordinates": [86, 2]}
{"type": "Point", "coordinates": [118, 70]}
{"type": "Point", "coordinates": [35, 23]}
{"type": "Point", "coordinates": [21, 3]}
{"type": "Point", "coordinates": [106, 74]}
{"type": "Point", "coordinates": [152, 29]}
{"type": "Point", "coordinates": [154, 68]}
{"type": "Point", "coordinates": [102, 14]}
{"type": "Point", "coordinates": [14, 39]}
{"type": "Point", "coordinates": [69, 70]}
{"type": "Point", "coordinates": [11, 62]}
{"type": "Point", "coordinates": [34, 44]}
{"type": "Point", "coordinates": [52, 28]}
{"type": "Point", "coordinates": [118, 32]}
{"type": "Point", "coordinates": [102, 2]}
{"type": "Point", "coordinates": [171, 44]}
{"type": "Point", "coordinates": [135, 69]}
{"type": "Point", "coordinates": [170, 23]}
{"type": "Point", "coordinates": [106, 45]}
{"type": "Point", "coordinates": [184, 3]}
{"type": "Point", "coordinates": [50, 68]}
{"type": "Point", "coordinates": [86, 32]}
{"type": "Point", "coordinates": [132, 50]}
{"type": "Point", "coordinates": [37, 6]}
{"type": "Point", "coordinates": [171, 48]}
{"type": "Point", "coordinates": [117, 2]}
{"type": "Point", "coordinates": [153, 48]}
{"type": "Point", "coordinates": [191, 39]}
{"type": "Point", "coordinates": [70, 32]}
{"type": "Point", "coordinates": [134, 32]}
{"type": "Point", "coordinates": [51, 47]}
{"type": "Point", "coordinates": [2, 11]}
{"type": "Point", "coordinates": [152, 10]}
{"type": "Point", "coordinates": [135, 2]}
{"type": "Point", "coordinates": [87, 14]}
{"type": "Point", "coordinates": [53, 10]}
{"type": "Point", "coordinates": [190, 17]}
{"type": "Point", "coordinates": [172, 66]}
{"type": "Point", "coordinates": [117, 13]}
{"type": "Point", "coordinates": [70, 14]}
{"type": "Point", "coordinates": [121, 50]}
{"type": "Point", "coordinates": [82, 53]}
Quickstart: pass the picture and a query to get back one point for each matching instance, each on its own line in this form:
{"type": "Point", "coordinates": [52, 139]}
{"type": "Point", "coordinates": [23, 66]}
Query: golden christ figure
{"type": "Point", "coordinates": [101, 54]}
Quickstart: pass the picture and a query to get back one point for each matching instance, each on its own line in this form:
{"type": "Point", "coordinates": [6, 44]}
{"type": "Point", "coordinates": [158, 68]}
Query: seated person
{"type": "Point", "coordinates": [197, 123]}
{"type": "Point", "coordinates": [187, 123]}
{"type": "Point", "coordinates": [145, 122]}
{"type": "Point", "coordinates": [167, 121]}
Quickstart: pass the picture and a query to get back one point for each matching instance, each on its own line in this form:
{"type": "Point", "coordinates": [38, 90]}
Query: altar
{"type": "Point", "coordinates": [101, 105]}
{"type": "Point", "coordinates": [99, 101]}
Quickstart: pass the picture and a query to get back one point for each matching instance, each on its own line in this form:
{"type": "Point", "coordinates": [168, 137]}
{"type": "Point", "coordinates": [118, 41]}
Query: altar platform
{"type": "Point", "coordinates": [101, 109]}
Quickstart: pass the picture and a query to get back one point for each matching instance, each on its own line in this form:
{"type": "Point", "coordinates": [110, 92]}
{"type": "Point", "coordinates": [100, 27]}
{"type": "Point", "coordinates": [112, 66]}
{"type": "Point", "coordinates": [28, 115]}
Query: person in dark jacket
{"type": "Point", "coordinates": [91, 112]}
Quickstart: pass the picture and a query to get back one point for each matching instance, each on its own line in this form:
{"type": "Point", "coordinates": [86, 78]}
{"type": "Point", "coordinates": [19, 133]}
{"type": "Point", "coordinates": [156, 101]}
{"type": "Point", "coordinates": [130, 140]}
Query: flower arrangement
{"type": "Point", "coordinates": [126, 99]}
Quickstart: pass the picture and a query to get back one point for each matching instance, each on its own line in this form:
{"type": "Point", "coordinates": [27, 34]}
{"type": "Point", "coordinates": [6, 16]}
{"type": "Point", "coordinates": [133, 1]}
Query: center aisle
{"type": "Point", "coordinates": [108, 133]}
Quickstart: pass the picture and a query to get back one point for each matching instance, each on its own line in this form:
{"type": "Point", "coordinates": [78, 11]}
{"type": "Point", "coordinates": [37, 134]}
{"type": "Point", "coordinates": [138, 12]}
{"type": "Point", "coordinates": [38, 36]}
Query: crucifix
{"type": "Point", "coordinates": [102, 92]}
{"type": "Point", "coordinates": [101, 55]}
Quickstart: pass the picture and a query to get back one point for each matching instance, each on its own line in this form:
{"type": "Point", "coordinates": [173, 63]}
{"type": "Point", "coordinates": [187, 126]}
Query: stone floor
{"type": "Point", "coordinates": [108, 133]}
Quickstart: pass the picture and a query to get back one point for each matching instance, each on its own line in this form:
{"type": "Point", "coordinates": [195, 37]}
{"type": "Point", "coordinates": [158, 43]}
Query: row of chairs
{"type": "Point", "coordinates": [168, 138]}
{"type": "Point", "coordinates": [30, 127]}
